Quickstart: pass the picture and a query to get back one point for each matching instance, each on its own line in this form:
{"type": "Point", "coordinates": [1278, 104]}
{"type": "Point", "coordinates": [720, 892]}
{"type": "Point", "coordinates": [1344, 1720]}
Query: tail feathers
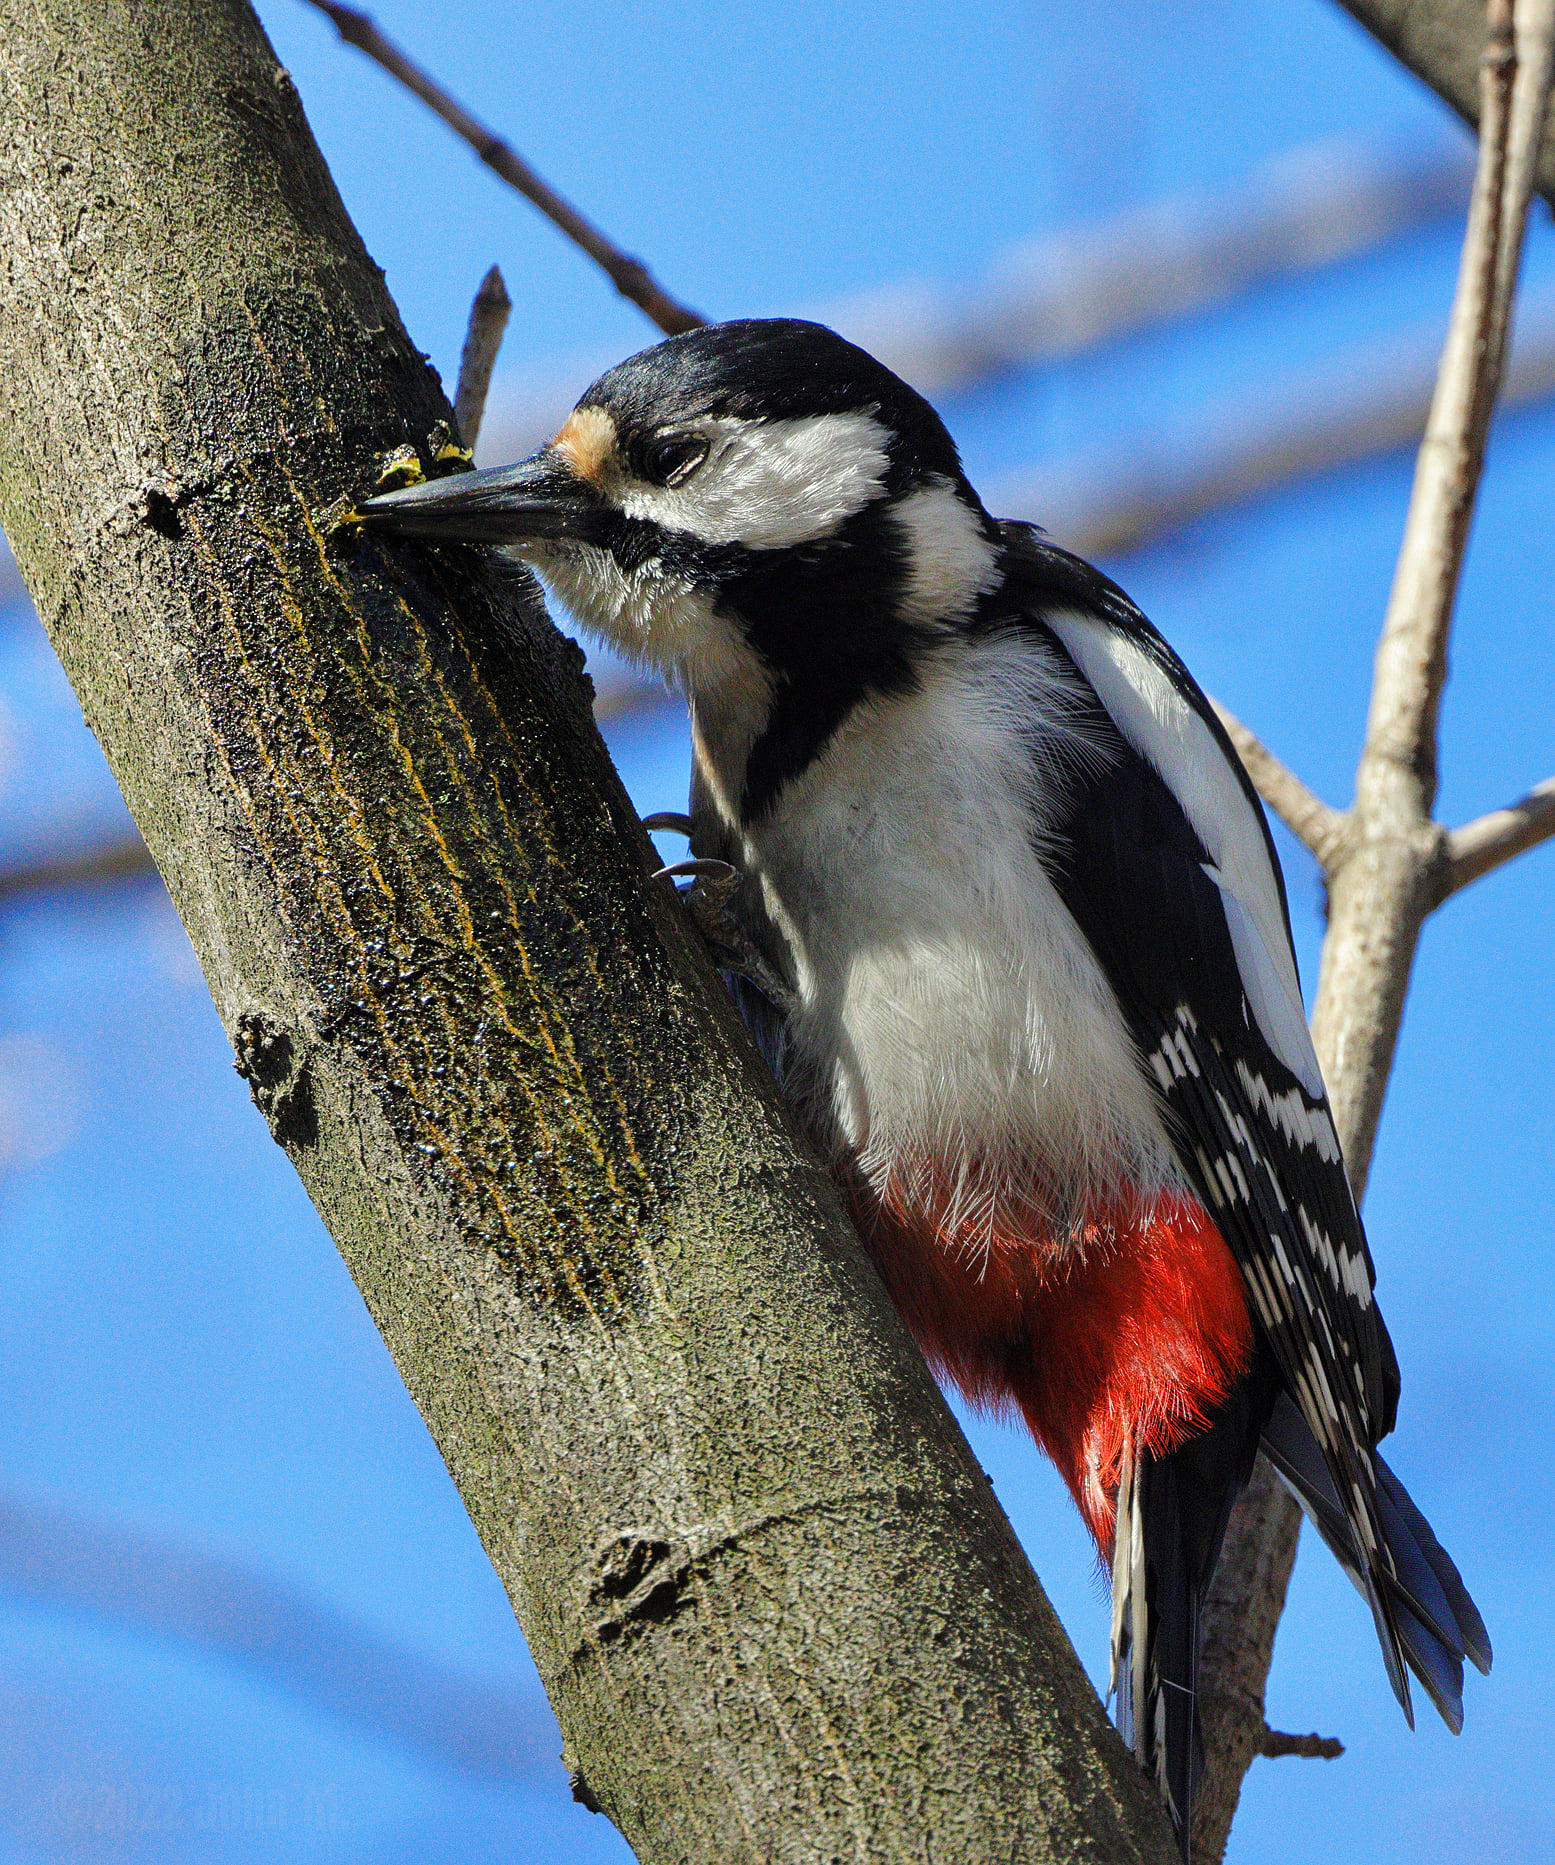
{"type": "Point", "coordinates": [1130, 1626]}
{"type": "Point", "coordinates": [1155, 1653]}
{"type": "Point", "coordinates": [1171, 1520]}
{"type": "Point", "coordinates": [1424, 1599]}
{"type": "Point", "coordinates": [1159, 1715]}
{"type": "Point", "coordinates": [1426, 1561]}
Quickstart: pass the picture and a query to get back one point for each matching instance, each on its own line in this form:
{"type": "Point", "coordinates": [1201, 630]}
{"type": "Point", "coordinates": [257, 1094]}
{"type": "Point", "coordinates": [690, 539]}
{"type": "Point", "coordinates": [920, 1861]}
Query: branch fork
{"type": "Point", "coordinates": [1386, 860]}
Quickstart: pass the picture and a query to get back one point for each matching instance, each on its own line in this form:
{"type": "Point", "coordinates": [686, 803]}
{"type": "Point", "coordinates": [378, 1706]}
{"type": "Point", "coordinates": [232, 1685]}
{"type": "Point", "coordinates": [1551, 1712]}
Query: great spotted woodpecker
{"type": "Point", "coordinates": [1037, 997]}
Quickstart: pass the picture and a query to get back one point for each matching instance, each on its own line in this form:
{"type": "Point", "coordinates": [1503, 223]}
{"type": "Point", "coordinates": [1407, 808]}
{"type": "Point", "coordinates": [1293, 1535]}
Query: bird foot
{"type": "Point", "coordinates": [711, 887]}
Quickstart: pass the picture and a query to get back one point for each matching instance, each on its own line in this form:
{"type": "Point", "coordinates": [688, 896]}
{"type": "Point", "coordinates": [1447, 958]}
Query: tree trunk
{"type": "Point", "coordinates": [776, 1607]}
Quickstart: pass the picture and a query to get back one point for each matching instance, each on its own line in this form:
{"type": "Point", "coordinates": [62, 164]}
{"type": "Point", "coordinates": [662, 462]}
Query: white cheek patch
{"type": "Point", "coordinates": [949, 561]}
{"type": "Point", "coordinates": [769, 484]}
{"type": "Point", "coordinates": [1170, 735]}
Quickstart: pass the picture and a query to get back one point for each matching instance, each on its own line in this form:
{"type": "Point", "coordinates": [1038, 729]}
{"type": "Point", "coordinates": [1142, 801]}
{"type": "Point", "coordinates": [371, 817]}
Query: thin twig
{"type": "Point", "coordinates": [1317, 826]}
{"type": "Point", "coordinates": [1530, 116]}
{"type": "Point", "coordinates": [1398, 848]}
{"type": "Point", "coordinates": [1315, 1747]}
{"type": "Point", "coordinates": [482, 340]}
{"type": "Point", "coordinates": [1492, 839]}
{"type": "Point", "coordinates": [1411, 665]}
{"type": "Point", "coordinates": [629, 276]}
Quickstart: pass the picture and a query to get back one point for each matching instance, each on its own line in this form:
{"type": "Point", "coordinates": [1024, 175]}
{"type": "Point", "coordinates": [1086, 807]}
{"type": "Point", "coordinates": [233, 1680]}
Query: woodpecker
{"type": "Point", "coordinates": [1036, 998]}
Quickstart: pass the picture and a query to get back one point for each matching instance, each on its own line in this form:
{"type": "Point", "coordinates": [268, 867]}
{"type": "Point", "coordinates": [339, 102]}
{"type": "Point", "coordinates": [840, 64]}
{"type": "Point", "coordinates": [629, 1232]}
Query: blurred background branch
{"type": "Point", "coordinates": [121, 857]}
{"type": "Point", "coordinates": [146, 1586]}
{"type": "Point", "coordinates": [629, 276]}
{"type": "Point", "coordinates": [1124, 361]}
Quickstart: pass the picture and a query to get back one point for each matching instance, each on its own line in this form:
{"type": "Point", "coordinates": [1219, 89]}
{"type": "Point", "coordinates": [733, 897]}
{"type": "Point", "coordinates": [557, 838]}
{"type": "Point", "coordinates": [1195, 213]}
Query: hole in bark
{"type": "Point", "coordinates": [162, 513]}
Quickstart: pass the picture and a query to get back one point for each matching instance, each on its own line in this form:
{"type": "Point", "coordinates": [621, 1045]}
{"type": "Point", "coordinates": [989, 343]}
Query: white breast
{"type": "Point", "coordinates": [952, 1014]}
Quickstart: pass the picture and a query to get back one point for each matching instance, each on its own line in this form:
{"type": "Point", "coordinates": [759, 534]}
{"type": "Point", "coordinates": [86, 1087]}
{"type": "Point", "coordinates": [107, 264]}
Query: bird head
{"type": "Point", "coordinates": [744, 507]}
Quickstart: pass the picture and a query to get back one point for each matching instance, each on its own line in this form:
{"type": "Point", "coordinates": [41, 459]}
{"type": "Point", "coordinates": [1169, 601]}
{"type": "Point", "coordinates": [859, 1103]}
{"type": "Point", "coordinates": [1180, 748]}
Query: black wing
{"type": "Point", "coordinates": [1167, 866]}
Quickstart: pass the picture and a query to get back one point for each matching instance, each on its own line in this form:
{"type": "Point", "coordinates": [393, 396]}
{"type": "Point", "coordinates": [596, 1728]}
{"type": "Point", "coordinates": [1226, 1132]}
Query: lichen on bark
{"type": "Point", "coordinates": [776, 1607]}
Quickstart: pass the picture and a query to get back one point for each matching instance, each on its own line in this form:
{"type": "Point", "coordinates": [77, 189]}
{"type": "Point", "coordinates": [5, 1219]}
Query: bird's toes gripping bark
{"type": "Point", "coordinates": [710, 888]}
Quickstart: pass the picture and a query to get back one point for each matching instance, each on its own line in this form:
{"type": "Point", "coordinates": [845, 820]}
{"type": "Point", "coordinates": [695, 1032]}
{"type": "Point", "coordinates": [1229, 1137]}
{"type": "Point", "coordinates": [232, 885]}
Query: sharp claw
{"type": "Point", "coordinates": [724, 878]}
{"type": "Point", "coordinates": [671, 822]}
{"type": "Point", "coordinates": [713, 885]}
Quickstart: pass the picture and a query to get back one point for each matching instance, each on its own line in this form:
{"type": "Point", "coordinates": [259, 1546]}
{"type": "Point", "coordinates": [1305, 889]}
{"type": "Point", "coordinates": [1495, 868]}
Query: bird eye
{"type": "Point", "coordinates": [667, 461]}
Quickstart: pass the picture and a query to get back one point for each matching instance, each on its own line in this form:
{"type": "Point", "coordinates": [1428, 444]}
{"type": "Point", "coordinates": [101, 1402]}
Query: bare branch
{"type": "Point", "coordinates": [629, 276]}
{"type": "Point", "coordinates": [1440, 41]}
{"type": "Point", "coordinates": [482, 340]}
{"type": "Point", "coordinates": [1239, 1622]}
{"type": "Point", "coordinates": [1397, 851]}
{"type": "Point", "coordinates": [1411, 666]}
{"type": "Point", "coordinates": [1319, 828]}
{"type": "Point", "coordinates": [1314, 1747]}
{"type": "Point", "coordinates": [1383, 880]}
{"type": "Point", "coordinates": [1493, 839]}
{"type": "Point", "coordinates": [1529, 133]}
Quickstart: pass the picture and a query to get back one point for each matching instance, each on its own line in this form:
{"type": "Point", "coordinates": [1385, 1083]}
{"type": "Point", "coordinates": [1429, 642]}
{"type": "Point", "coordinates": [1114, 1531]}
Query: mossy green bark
{"type": "Point", "coordinates": [774, 1602]}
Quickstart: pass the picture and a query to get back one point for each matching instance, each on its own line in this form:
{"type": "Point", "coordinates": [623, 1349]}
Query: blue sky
{"type": "Point", "coordinates": [193, 1384]}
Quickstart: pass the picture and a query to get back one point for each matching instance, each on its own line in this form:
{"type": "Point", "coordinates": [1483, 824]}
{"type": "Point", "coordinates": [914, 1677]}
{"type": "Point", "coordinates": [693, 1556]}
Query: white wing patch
{"type": "Point", "coordinates": [1273, 994]}
{"type": "Point", "coordinates": [1170, 735]}
{"type": "Point", "coordinates": [767, 484]}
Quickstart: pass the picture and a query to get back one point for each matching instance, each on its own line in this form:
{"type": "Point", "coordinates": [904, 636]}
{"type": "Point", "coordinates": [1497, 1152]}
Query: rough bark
{"type": "Point", "coordinates": [777, 1609]}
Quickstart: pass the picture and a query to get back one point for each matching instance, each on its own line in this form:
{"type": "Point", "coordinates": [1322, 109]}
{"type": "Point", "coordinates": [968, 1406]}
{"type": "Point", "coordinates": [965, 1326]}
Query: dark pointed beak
{"type": "Point", "coordinates": [539, 499]}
